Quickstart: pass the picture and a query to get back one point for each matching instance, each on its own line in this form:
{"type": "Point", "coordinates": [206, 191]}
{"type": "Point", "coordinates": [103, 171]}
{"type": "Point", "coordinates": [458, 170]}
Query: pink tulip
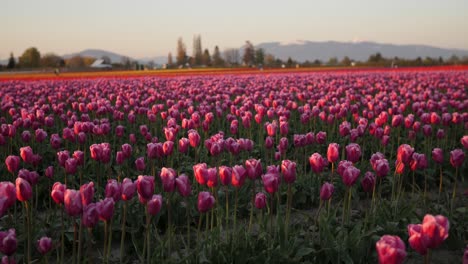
{"type": "Point", "coordinates": [350, 175]}
{"type": "Point", "coordinates": [206, 201]}
{"type": "Point", "coordinates": [317, 162]}
{"type": "Point", "coordinates": [72, 201]}
{"type": "Point", "coordinates": [26, 136]}
{"type": "Point", "coordinates": [105, 209]}
{"type": "Point", "coordinates": [368, 182]}
{"type": "Point", "coordinates": [457, 156]}
{"type": "Point", "coordinates": [184, 144]}
{"type": "Point", "coordinates": [71, 166]}
{"type": "Point", "coordinates": [417, 239]}
{"type": "Point", "coordinates": [321, 137]}
{"type": "Point", "coordinates": [62, 157]}
{"type": "Point", "coordinates": [404, 153]}
{"type": "Point", "coordinates": [119, 157]}
{"type": "Point", "coordinates": [211, 177]}
{"type": "Point", "coordinates": [55, 141]}
{"type": "Point", "coordinates": [418, 162]}
{"type": "Point", "coordinates": [23, 190]}
{"type": "Point", "coordinates": [342, 166]}
{"type": "Point", "coordinates": [8, 242]}
{"type": "Point", "coordinates": [288, 169]}
{"type": "Point", "coordinates": [254, 168]}
{"type": "Point", "coordinates": [96, 152]}
{"type": "Point", "coordinates": [238, 176]}
{"type": "Point", "coordinates": [44, 245]}
{"type": "Point", "coordinates": [40, 135]}
{"type": "Point", "coordinates": [333, 152]}
{"type": "Point", "coordinates": [390, 250]}
{"type": "Point", "coordinates": [58, 192]}
{"type": "Point", "coordinates": [113, 190]}
{"type": "Point", "coordinates": [12, 163]}
{"type": "Point", "coordinates": [438, 155]}
{"type": "Point", "coordinates": [269, 142]}
{"type": "Point", "coordinates": [140, 164]}
{"type": "Point", "coordinates": [194, 138]}
{"type": "Point", "coordinates": [26, 154]}
{"type": "Point", "coordinates": [8, 196]}
{"type": "Point", "coordinates": [464, 141]}
{"type": "Point", "coordinates": [436, 228]}
{"type": "Point", "coordinates": [90, 216]}
{"type": "Point", "coordinates": [168, 177]}
{"type": "Point", "coordinates": [49, 172]}
{"type": "Point", "coordinates": [87, 193]}
{"type": "Point", "coordinates": [381, 167]}
{"type": "Point", "coordinates": [128, 189]}
{"type": "Point", "coordinates": [145, 187]}
{"type": "Point", "coordinates": [326, 191]}
{"type": "Point", "coordinates": [183, 185]}
{"type": "Point", "coordinates": [168, 148]}
{"type": "Point", "coordinates": [260, 200]}
{"type": "Point", "coordinates": [200, 171]}
{"type": "Point", "coordinates": [270, 182]}
{"type": "Point", "coordinates": [154, 204]}
{"type": "Point", "coordinates": [127, 150]}
{"type": "Point", "coordinates": [353, 152]}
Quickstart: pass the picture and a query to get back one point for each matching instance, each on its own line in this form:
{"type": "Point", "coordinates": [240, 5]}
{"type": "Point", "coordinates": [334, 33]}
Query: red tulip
{"type": "Point", "coordinates": [58, 192]}
{"type": "Point", "coordinates": [404, 153]}
{"type": "Point", "coordinates": [90, 216]}
{"type": "Point", "coordinates": [23, 190]}
{"type": "Point", "coordinates": [333, 152]}
{"type": "Point", "coordinates": [225, 175]}
{"type": "Point", "coordinates": [317, 162]}
{"type": "Point", "coordinates": [417, 239]}
{"type": "Point", "coordinates": [350, 175]}
{"type": "Point", "coordinates": [168, 177]}
{"type": "Point", "coordinates": [436, 228]}
{"type": "Point", "coordinates": [438, 155]}
{"type": "Point", "coordinates": [418, 161]}
{"type": "Point", "coordinates": [113, 190]}
{"type": "Point", "coordinates": [270, 182]}
{"type": "Point", "coordinates": [254, 168]}
{"type": "Point", "coordinates": [12, 163]}
{"type": "Point", "coordinates": [200, 171]}
{"type": "Point", "coordinates": [288, 169]}
{"type": "Point", "coordinates": [8, 242]}
{"type": "Point", "coordinates": [206, 201]}
{"type": "Point", "coordinates": [194, 138]}
{"type": "Point", "coordinates": [183, 185]}
{"type": "Point", "coordinates": [260, 200]}
{"type": "Point", "coordinates": [44, 245]}
{"type": "Point", "coordinates": [154, 204]}
{"type": "Point", "coordinates": [145, 187]}
{"type": "Point", "coordinates": [368, 182]}
{"type": "Point", "coordinates": [390, 250]}
{"type": "Point", "coordinates": [238, 176]}
{"type": "Point", "coordinates": [464, 141]}
{"type": "Point", "coordinates": [168, 148]}
{"type": "Point", "coordinates": [105, 209]}
{"type": "Point", "coordinates": [26, 154]}
{"type": "Point", "coordinates": [87, 193]}
{"type": "Point", "coordinates": [326, 191]}
{"type": "Point", "coordinates": [353, 152]}
{"type": "Point", "coordinates": [457, 156]}
{"type": "Point", "coordinates": [72, 201]}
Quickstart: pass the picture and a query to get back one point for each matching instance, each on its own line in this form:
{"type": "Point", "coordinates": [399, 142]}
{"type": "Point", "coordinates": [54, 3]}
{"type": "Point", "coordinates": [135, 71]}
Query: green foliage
{"type": "Point", "coordinates": [31, 58]}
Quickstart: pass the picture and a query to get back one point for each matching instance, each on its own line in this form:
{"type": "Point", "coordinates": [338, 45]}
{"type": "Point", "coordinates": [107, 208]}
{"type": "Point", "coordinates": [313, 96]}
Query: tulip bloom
{"type": "Point", "coordinates": [113, 190]}
{"type": "Point", "coordinates": [404, 153]}
{"type": "Point", "coordinates": [26, 154]}
{"type": "Point", "coordinates": [145, 187]}
{"type": "Point", "coordinates": [417, 239]}
{"type": "Point", "coordinates": [326, 191]}
{"type": "Point", "coordinates": [58, 192]}
{"type": "Point", "coordinates": [90, 216]}
{"type": "Point", "coordinates": [238, 176]}
{"type": "Point", "coordinates": [168, 177]}
{"type": "Point", "coordinates": [206, 201]}
{"type": "Point", "coordinates": [390, 250]}
{"type": "Point", "coordinates": [184, 143]}
{"type": "Point", "coordinates": [438, 155]}
{"type": "Point", "coordinates": [288, 169]}
{"type": "Point", "coordinates": [140, 164]}
{"type": "Point", "coordinates": [128, 189]}
{"type": "Point", "coordinates": [225, 175]}
{"type": "Point", "coordinates": [200, 170]}
{"type": "Point", "coordinates": [183, 185]}
{"type": "Point", "coordinates": [350, 175]}
{"type": "Point", "coordinates": [105, 209]}
{"type": "Point", "coordinates": [23, 190]}
{"type": "Point", "coordinates": [44, 245]}
{"type": "Point", "coordinates": [457, 157]}
{"type": "Point", "coordinates": [194, 138]}
{"type": "Point", "coordinates": [12, 163]}
{"type": "Point", "coordinates": [353, 152]}
{"type": "Point", "coordinates": [436, 228]}
{"type": "Point", "coordinates": [254, 168]}
{"type": "Point", "coordinates": [418, 162]}
{"type": "Point", "coordinates": [8, 196]}
{"type": "Point", "coordinates": [154, 204]}
{"type": "Point", "coordinates": [270, 182]}
{"type": "Point", "coordinates": [72, 202]}
{"type": "Point", "coordinates": [211, 177]}
{"type": "Point", "coordinates": [87, 193]}
{"type": "Point", "coordinates": [317, 162]}
{"type": "Point", "coordinates": [260, 200]}
{"type": "Point", "coordinates": [464, 141]}
{"type": "Point", "coordinates": [8, 242]}
{"type": "Point", "coordinates": [368, 182]}
{"type": "Point", "coordinates": [333, 152]}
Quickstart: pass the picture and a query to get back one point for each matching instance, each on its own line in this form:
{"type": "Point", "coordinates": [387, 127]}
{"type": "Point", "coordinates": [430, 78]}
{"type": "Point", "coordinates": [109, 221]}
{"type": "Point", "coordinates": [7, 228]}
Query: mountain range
{"type": "Point", "coordinates": [310, 50]}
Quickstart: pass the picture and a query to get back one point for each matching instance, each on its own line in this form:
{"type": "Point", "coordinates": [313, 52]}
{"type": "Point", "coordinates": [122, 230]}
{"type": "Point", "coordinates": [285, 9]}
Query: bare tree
{"type": "Point", "coordinates": [181, 52]}
{"type": "Point", "coordinates": [249, 54]}
{"type": "Point", "coordinates": [231, 56]}
{"type": "Point", "coordinates": [197, 50]}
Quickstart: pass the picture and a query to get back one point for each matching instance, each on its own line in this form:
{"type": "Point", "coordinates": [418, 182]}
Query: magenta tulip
{"type": "Point", "coordinates": [145, 187]}
{"type": "Point", "coordinates": [58, 192]}
{"type": "Point", "coordinates": [238, 176]}
{"type": "Point", "coordinates": [353, 152]}
{"type": "Point", "coordinates": [326, 191]}
{"type": "Point", "coordinates": [26, 154]}
{"type": "Point", "coordinates": [438, 155]}
{"type": "Point", "coordinates": [333, 152]}
{"type": "Point", "coordinates": [317, 162]}
{"type": "Point", "coordinates": [8, 242]}
{"type": "Point", "coordinates": [12, 163]}
{"type": "Point", "coordinates": [390, 250]}
{"type": "Point", "coordinates": [271, 182]}
{"type": "Point", "coordinates": [168, 177]}
{"type": "Point", "coordinates": [140, 164]}
{"type": "Point", "coordinates": [72, 202]}
{"type": "Point", "coordinates": [211, 177]}
{"type": "Point", "coordinates": [184, 144]}
{"type": "Point", "coordinates": [404, 153]}
{"type": "Point", "coordinates": [464, 141]}
{"type": "Point", "coordinates": [113, 190]}
{"type": "Point", "coordinates": [87, 193]}
{"type": "Point", "coordinates": [90, 216]}
{"type": "Point", "coordinates": [417, 239]}
{"type": "Point", "coordinates": [253, 168]}
{"type": "Point", "coordinates": [350, 175]}
{"type": "Point", "coordinates": [44, 245]}
{"type": "Point", "coordinates": [23, 190]}
{"type": "Point", "coordinates": [206, 201]}
{"type": "Point", "coordinates": [260, 200]}
{"type": "Point", "coordinates": [154, 204]}
{"type": "Point", "coordinates": [183, 185]}
{"type": "Point", "coordinates": [288, 169]}
{"type": "Point", "coordinates": [436, 228]}
{"type": "Point", "coordinates": [368, 182]}
{"type": "Point", "coordinates": [457, 156]}
{"type": "Point", "coordinates": [200, 170]}
{"type": "Point", "coordinates": [128, 189]}
{"type": "Point", "coordinates": [105, 209]}
{"type": "Point", "coordinates": [225, 175]}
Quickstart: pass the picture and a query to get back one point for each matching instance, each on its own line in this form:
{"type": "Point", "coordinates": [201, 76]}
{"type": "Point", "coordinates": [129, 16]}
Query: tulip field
{"type": "Point", "coordinates": [286, 167]}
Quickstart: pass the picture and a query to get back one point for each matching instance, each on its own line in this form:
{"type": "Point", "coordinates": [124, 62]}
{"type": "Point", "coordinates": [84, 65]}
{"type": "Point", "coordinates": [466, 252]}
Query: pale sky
{"type": "Point", "coordinates": [145, 28]}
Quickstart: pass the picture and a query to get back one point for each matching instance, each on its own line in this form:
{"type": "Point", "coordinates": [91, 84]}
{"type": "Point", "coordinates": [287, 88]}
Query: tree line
{"type": "Point", "coordinates": [247, 56]}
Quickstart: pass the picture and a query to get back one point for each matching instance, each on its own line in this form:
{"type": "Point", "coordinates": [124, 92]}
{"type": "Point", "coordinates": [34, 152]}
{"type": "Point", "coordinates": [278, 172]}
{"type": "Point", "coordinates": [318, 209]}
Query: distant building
{"type": "Point", "coordinates": [99, 64]}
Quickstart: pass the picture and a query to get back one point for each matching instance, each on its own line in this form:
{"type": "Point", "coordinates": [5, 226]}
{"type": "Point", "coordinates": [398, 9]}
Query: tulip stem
{"type": "Point", "coordinates": [74, 241]}
{"type": "Point", "coordinates": [454, 190]}
{"type": "Point", "coordinates": [288, 213]}
{"type": "Point", "coordinates": [252, 205]}
{"type": "Point", "coordinates": [122, 237]}
{"type": "Point", "coordinates": [169, 226]}
{"type": "Point", "coordinates": [105, 242]}
{"type": "Point", "coordinates": [227, 206]}
{"type": "Point", "coordinates": [79, 242]}
{"type": "Point", "coordinates": [199, 228]}
{"type": "Point", "coordinates": [188, 222]}
{"type": "Point", "coordinates": [147, 243]}
{"type": "Point", "coordinates": [62, 248]}
{"type": "Point", "coordinates": [28, 240]}
{"type": "Point", "coordinates": [440, 180]}
{"type": "Point", "coordinates": [235, 211]}
{"type": "Point", "coordinates": [427, 257]}
{"type": "Point", "coordinates": [109, 242]}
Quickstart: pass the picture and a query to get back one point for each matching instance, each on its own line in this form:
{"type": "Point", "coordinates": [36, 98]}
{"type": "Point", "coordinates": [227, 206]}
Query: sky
{"type": "Point", "coordinates": [145, 28]}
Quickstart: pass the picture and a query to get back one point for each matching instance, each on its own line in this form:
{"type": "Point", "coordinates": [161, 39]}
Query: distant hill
{"type": "Point", "coordinates": [311, 50]}
{"type": "Point", "coordinates": [97, 53]}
